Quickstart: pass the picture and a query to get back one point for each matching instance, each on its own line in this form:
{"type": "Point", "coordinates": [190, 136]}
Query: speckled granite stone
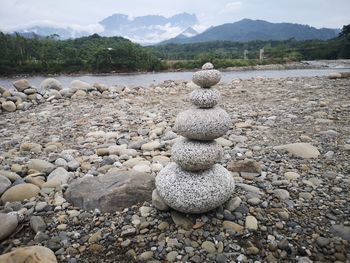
{"type": "Point", "coordinates": [205, 98]}
{"type": "Point", "coordinates": [207, 66]}
{"type": "Point", "coordinates": [202, 124]}
{"type": "Point", "coordinates": [194, 192]}
{"type": "Point", "coordinates": [196, 155]}
{"type": "Point", "coordinates": [206, 78]}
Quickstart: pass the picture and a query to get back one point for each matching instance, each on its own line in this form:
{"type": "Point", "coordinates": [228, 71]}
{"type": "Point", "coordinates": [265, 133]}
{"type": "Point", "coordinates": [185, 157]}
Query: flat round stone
{"type": "Point", "coordinates": [196, 155]}
{"type": "Point", "coordinates": [202, 124]}
{"type": "Point", "coordinates": [206, 78]}
{"type": "Point", "coordinates": [194, 192]}
{"type": "Point", "coordinates": [205, 98]}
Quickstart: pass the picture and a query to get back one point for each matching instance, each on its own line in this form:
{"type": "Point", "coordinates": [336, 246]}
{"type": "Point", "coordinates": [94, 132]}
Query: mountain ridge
{"type": "Point", "coordinates": [249, 30]}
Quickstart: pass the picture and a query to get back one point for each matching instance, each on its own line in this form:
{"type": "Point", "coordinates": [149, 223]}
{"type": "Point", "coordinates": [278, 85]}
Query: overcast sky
{"type": "Point", "coordinates": [86, 13]}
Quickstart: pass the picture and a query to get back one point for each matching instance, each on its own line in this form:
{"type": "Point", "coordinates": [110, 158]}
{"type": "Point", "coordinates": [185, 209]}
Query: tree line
{"type": "Point", "coordinates": [228, 53]}
{"type": "Point", "coordinates": [48, 55]}
{"type": "Point", "coordinates": [19, 55]}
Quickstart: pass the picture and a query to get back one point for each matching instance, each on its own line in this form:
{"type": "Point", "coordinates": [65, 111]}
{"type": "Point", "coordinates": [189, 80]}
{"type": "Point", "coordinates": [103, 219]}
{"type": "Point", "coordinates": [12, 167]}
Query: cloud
{"type": "Point", "coordinates": [90, 29]}
{"type": "Point", "coordinates": [231, 7]}
{"type": "Point", "coordinates": [160, 33]}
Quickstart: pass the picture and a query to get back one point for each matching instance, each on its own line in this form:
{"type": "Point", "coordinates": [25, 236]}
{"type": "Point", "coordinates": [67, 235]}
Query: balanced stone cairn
{"type": "Point", "coordinates": [195, 183]}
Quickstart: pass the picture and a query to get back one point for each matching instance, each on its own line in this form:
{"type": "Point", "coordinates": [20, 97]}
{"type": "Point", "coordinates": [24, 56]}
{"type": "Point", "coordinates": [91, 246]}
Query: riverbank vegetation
{"type": "Point", "coordinates": [39, 55]}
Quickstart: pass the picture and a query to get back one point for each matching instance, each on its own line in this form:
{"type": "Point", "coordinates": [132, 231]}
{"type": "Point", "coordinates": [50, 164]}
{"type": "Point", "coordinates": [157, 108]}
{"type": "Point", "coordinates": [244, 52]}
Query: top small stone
{"type": "Point", "coordinates": [207, 66]}
{"type": "Point", "coordinates": [207, 77]}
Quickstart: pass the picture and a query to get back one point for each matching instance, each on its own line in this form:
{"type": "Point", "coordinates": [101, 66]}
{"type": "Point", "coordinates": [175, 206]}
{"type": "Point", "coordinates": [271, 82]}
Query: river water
{"type": "Point", "coordinates": [146, 79]}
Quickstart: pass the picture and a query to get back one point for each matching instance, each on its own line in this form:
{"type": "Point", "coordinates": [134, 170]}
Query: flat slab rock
{"type": "Point", "coordinates": [303, 150]}
{"type": "Point", "coordinates": [110, 193]}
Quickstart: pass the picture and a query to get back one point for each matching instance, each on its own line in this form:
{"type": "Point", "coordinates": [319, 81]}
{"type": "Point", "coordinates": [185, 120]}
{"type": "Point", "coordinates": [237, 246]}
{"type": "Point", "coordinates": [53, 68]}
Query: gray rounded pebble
{"type": "Point", "coordinates": [196, 155]}
{"type": "Point", "coordinates": [202, 124]}
{"type": "Point", "coordinates": [5, 183]}
{"type": "Point", "coordinates": [194, 192]}
{"type": "Point", "coordinates": [206, 78]}
{"type": "Point", "coordinates": [205, 98]}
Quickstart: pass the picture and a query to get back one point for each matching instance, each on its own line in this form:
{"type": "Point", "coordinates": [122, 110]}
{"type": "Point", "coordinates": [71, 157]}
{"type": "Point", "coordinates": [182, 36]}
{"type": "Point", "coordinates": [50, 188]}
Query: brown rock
{"type": "Point", "coordinates": [33, 254]}
{"type": "Point", "coordinates": [20, 192]}
{"type": "Point", "coordinates": [247, 165]}
{"type": "Point", "coordinates": [21, 84]}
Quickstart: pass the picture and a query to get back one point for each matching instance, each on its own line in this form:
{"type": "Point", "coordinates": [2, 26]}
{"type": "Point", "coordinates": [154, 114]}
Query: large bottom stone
{"type": "Point", "coordinates": [196, 155]}
{"type": "Point", "coordinates": [194, 192]}
{"type": "Point", "coordinates": [202, 124]}
{"type": "Point", "coordinates": [110, 193]}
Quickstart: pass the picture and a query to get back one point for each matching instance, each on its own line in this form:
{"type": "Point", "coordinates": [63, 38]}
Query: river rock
{"type": "Point", "coordinates": [251, 223]}
{"type": "Point", "coordinates": [20, 192]}
{"type": "Point", "coordinates": [202, 124]}
{"type": "Point", "coordinates": [341, 231]}
{"type": "Point", "coordinates": [48, 84]}
{"type": "Point", "coordinates": [67, 92]}
{"type": "Point", "coordinates": [206, 78]}
{"type": "Point", "coordinates": [151, 146]}
{"type": "Point", "coordinates": [291, 176]}
{"type": "Point", "coordinates": [33, 254]}
{"type": "Point", "coordinates": [58, 176]}
{"type": "Point", "coordinates": [21, 85]}
{"type": "Point", "coordinates": [205, 98]}
{"type": "Point", "coordinates": [158, 202]}
{"type": "Point", "coordinates": [80, 85]}
{"type": "Point", "coordinates": [192, 192]}
{"type": "Point", "coordinates": [8, 225]}
{"type": "Point", "coordinates": [37, 223]}
{"type": "Point", "coordinates": [10, 175]}
{"type": "Point", "coordinates": [2, 90]}
{"type": "Point", "coordinates": [5, 183]}
{"type": "Point", "coordinates": [247, 165]}
{"type": "Point", "coordinates": [110, 193]}
{"type": "Point", "coordinates": [196, 155]}
{"type": "Point", "coordinates": [41, 166]}
{"type": "Point", "coordinates": [9, 106]}
{"type": "Point", "coordinates": [303, 150]}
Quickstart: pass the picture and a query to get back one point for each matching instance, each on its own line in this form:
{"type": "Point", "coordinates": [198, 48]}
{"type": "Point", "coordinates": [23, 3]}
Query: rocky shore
{"type": "Point", "coordinates": [64, 150]}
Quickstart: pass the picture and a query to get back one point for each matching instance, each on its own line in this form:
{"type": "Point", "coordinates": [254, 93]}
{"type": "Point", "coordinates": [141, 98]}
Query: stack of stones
{"type": "Point", "coordinates": [194, 183]}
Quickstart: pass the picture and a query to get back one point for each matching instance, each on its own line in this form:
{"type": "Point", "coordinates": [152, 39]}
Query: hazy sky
{"type": "Point", "coordinates": [86, 13]}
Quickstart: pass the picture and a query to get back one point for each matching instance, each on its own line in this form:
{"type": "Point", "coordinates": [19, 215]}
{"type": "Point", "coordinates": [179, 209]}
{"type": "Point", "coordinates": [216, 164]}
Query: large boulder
{"type": "Point", "coordinates": [49, 84]}
{"type": "Point", "coordinates": [110, 193]}
{"type": "Point", "coordinates": [33, 254]}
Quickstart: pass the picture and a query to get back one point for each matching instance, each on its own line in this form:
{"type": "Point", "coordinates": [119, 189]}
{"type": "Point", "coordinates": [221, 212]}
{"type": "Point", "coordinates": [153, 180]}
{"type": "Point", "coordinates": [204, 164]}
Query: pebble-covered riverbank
{"type": "Point", "coordinates": [288, 150]}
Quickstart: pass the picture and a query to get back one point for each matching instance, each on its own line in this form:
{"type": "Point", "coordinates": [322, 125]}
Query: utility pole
{"type": "Point", "coordinates": [245, 54]}
{"type": "Point", "coordinates": [261, 54]}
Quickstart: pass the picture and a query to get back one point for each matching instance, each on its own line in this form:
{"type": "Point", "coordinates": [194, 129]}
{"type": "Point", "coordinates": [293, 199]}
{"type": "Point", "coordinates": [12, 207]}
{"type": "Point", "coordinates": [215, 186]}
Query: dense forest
{"type": "Point", "coordinates": [87, 54]}
{"type": "Point", "coordinates": [38, 55]}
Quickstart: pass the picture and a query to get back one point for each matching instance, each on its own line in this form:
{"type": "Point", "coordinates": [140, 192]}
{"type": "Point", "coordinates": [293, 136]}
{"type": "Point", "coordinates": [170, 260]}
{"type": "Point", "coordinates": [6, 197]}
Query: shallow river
{"type": "Point", "coordinates": [153, 78]}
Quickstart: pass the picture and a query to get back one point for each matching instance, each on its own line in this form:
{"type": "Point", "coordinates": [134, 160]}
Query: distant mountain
{"type": "Point", "coordinates": [189, 32]}
{"type": "Point", "coordinates": [248, 30]}
{"type": "Point", "coordinates": [147, 29]}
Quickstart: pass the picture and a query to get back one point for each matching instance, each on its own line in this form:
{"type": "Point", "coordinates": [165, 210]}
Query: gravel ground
{"type": "Point", "coordinates": [286, 208]}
